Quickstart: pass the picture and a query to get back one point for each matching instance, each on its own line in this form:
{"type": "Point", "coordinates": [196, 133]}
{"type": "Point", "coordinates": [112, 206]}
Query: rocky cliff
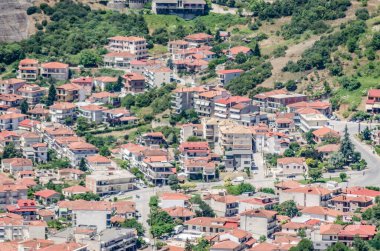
{"type": "Point", "coordinates": [13, 20]}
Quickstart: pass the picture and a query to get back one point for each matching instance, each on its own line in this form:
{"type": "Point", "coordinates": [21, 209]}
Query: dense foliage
{"type": "Point", "coordinates": [74, 29]}
{"type": "Point", "coordinates": [306, 14]}
{"type": "Point", "coordinates": [319, 55]}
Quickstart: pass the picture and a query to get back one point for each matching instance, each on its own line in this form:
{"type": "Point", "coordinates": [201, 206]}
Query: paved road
{"type": "Point", "coordinates": [371, 176]}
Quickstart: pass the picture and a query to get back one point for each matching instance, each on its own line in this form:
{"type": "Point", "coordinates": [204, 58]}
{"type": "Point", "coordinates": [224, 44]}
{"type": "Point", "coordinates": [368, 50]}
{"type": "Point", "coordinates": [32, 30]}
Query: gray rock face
{"type": "Point", "coordinates": [13, 20]}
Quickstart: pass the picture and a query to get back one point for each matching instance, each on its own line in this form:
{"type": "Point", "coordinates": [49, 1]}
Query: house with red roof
{"type": "Point", "coordinates": [223, 105]}
{"type": "Point", "coordinates": [324, 133]}
{"type": "Point", "coordinates": [346, 203]}
{"type": "Point", "coordinates": [70, 92]}
{"type": "Point", "coordinates": [234, 51]}
{"type": "Point", "coordinates": [118, 59]}
{"type": "Point", "coordinates": [153, 138]}
{"type": "Point", "coordinates": [168, 200]}
{"type": "Point", "coordinates": [276, 99]}
{"type": "Point", "coordinates": [28, 69]}
{"type": "Point", "coordinates": [59, 111]}
{"type": "Point", "coordinates": [86, 83]}
{"type": "Point", "coordinates": [55, 70]}
{"type": "Point", "coordinates": [47, 196]}
{"type": "Point", "coordinates": [105, 98]}
{"type": "Point", "coordinates": [133, 83]}
{"type": "Point", "coordinates": [70, 174]}
{"type": "Point", "coordinates": [194, 149]}
{"type": "Point", "coordinates": [291, 166]}
{"type": "Point", "coordinates": [93, 113]}
{"type": "Point", "coordinates": [323, 107]}
{"type": "Point", "coordinates": [10, 121]}
{"type": "Point", "coordinates": [350, 232]}
{"type": "Point", "coordinates": [257, 202]}
{"type": "Point", "coordinates": [372, 104]}
{"type": "Point", "coordinates": [327, 150]}
{"type": "Point", "coordinates": [25, 208]}
{"type": "Point", "coordinates": [200, 168]}
{"type": "Point", "coordinates": [361, 191]}
{"type": "Point", "coordinates": [74, 190]}
{"type": "Point", "coordinates": [183, 98]}
{"type": "Point", "coordinates": [210, 225]}
{"type": "Point", "coordinates": [224, 205]}
{"type": "Point", "coordinates": [101, 83]}
{"type": "Point", "coordinates": [227, 245]}
{"type": "Point", "coordinates": [76, 151]}
{"type": "Point", "coordinates": [198, 39]}
{"type": "Point", "coordinates": [180, 213]}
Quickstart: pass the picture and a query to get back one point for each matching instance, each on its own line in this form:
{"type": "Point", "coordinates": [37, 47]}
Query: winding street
{"type": "Point", "coordinates": [371, 176]}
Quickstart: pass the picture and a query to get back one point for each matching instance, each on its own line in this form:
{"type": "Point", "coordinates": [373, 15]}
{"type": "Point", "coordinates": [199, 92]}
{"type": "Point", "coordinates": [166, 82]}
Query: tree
{"type": "Point", "coordinates": [173, 182]}
{"type": "Point", "coordinates": [240, 58]}
{"type": "Point", "coordinates": [205, 209]}
{"type": "Point", "coordinates": [161, 223]}
{"type": "Point", "coordinates": [89, 58]}
{"type": "Point", "coordinates": [360, 245]}
{"type": "Point", "coordinates": [288, 208]}
{"type": "Point", "coordinates": [240, 189]}
{"type": "Point", "coordinates": [82, 165]}
{"type": "Point", "coordinates": [336, 161]}
{"type": "Point", "coordinates": [153, 202]}
{"type": "Point", "coordinates": [82, 124]}
{"type": "Point", "coordinates": [52, 95]}
{"type": "Point", "coordinates": [262, 238]}
{"type": "Point", "coordinates": [10, 151]}
{"type": "Point", "coordinates": [256, 50]}
{"type": "Point", "coordinates": [315, 174]}
{"type": "Point", "coordinates": [133, 223]}
{"type": "Point", "coordinates": [366, 134]}
{"type": "Point", "coordinates": [343, 176]}
{"type": "Point", "coordinates": [346, 146]}
{"type": "Point", "coordinates": [188, 246]}
{"type": "Point", "coordinates": [303, 245]}
{"type": "Point", "coordinates": [291, 85]}
{"type": "Point", "coordinates": [24, 107]}
{"type": "Point", "coordinates": [339, 246]}
{"type": "Point", "coordinates": [104, 151]}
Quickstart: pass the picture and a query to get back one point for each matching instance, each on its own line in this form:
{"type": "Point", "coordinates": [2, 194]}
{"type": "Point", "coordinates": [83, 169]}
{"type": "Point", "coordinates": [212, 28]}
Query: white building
{"type": "Point", "coordinates": [61, 111]}
{"type": "Point", "coordinates": [110, 182]}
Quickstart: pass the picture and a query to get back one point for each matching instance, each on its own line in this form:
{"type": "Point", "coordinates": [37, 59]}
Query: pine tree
{"type": "Point", "coordinates": [24, 107]}
{"type": "Point", "coordinates": [188, 246]}
{"type": "Point", "coordinates": [346, 146]}
{"type": "Point", "coordinates": [52, 95]}
{"type": "Point", "coordinates": [256, 50]}
{"type": "Point", "coordinates": [119, 84]}
{"type": "Point", "coordinates": [82, 165]}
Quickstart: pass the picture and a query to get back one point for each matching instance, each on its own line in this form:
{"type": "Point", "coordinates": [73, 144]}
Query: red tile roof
{"type": "Point", "coordinates": [325, 131]}
{"type": "Point", "coordinates": [358, 230]}
{"type": "Point", "coordinates": [198, 36]}
{"type": "Point", "coordinates": [179, 212]}
{"type": "Point", "coordinates": [229, 71]}
{"type": "Point", "coordinates": [291, 160]}
{"type": "Point", "coordinates": [47, 193]}
{"type": "Point", "coordinates": [54, 65]}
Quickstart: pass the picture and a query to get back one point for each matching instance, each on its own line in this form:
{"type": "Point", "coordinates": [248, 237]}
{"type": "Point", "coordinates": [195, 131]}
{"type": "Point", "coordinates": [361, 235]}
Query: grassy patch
{"type": "Point", "coordinates": [323, 180]}
{"type": "Point", "coordinates": [158, 49]}
{"type": "Point", "coordinates": [212, 21]}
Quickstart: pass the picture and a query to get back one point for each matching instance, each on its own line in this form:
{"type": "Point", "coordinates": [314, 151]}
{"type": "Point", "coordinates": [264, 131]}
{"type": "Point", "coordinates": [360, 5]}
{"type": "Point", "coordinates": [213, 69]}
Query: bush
{"type": "Point", "coordinates": [349, 83]}
{"type": "Point", "coordinates": [32, 10]}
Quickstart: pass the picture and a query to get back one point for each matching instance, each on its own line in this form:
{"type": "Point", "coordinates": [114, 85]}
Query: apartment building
{"type": "Point", "coordinates": [14, 228]}
{"type": "Point", "coordinates": [158, 76]}
{"type": "Point", "coordinates": [194, 150]}
{"type": "Point", "coordinates": [28, 69]}
{"type": "Point", "coordinates": [100, 163]}
{"type": "Point", "coordinates": [110, 182]}
{"type": "Point", "coordinates": [87, 214]}
{"type": "Point", "coordinates": [93, 113]}
{"type": "Point", "coordinates": [107, 240]}
{"type": "Point", "coordinates": [177, 46]}
{"type": "Point", "coordinates": [237, 144]}
{"type": "Point", "coordinates": [347, 203]}
{"type": "Point", "coordinates": [225, 76]}
{"type": "Point", "coordinates": [70, 92]}
{"type": "Point", "coordinates": [259, 222]}
{"type": "Point", "coordinates": [183, 98]}
{"type": "Point", "coordinates": [133, 83]}
{"type": "Point", "coordinates": [210, 225]}
{"type": "Point", "coordinates": [200, 168]}
{"type": "Point", "coordinates": [118, 59]}
{"type": "Point", "coordinates": [10, 100]}
{"type": "Point", "coordinates": [131, 44]}
{"type": "Point", "coordinates": [307, 196]}
{"type": "Point", "coordinates": [185, 9]}
{"type": "Point", "coordinates": [10, 86]}
{"type": "Point", "coordinates": [311, 119]}
{"type": "Point", "coordinates": [225, 205]}
{"type": "Point", "coordinates": [55, 70]}
{"type": "Point", "coordinates": [169, 200]}
{"type": "Point", "coordinates": [32, 93]}
{"type": "Point", "coordinates": [11, 121]}
{"type": "Point", "coordinates": [119, 116]}
{"type": "Point", "coordinates": [223, 105]}
{"type": "Point", "coordinates": [156, 169]}
{"type": "Point", "coordinates": [189, 130]}
{"type": "Point", "coordinates": [323, 107]}
{"type": "Point", "coordinates": [204, 102]}
{"type": "Point", "coordinates": [257, 202]}
{"type": "Point", "coordinates": [324, 214]}
{"type": "Point", "coordinates": [291, 166]}
{"type": "Point", "coordinates": [272, 101]}
{"type": "Point", "coordinates": [77, 151]}
{"type": "Point", "coordinates": [16, 165]}
{"type": "Point", "coordinates": [7, 137]}
{"type": "Point", "coordinates": [60, 111]}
